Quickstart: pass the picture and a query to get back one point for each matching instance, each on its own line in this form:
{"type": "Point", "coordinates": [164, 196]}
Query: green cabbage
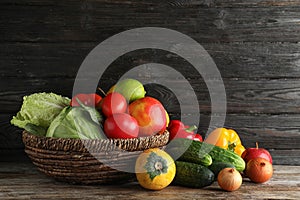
{"type": "Point", "coordinates": [39, 110]}
{"type": "Point", "coordinates": [77, 122]}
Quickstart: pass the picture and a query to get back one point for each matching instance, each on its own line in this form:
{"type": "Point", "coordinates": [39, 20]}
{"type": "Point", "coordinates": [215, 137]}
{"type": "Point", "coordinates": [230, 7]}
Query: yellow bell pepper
{"type": "Point", "coordinates": [226, 139]}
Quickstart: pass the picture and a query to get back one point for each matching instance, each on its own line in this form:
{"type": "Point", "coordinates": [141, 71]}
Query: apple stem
{"type": "Point", "coordinates": [256, 143]}
{"type": "Point", "coordinates": [100, 89]}
{"type": "Point", "coordinates": [262, 164]}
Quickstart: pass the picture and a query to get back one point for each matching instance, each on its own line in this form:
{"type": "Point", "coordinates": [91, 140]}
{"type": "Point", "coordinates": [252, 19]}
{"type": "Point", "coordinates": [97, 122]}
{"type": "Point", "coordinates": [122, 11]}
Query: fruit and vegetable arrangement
{"type": "Point", "coordinates": [126, 112]}
{"type": "Point", "coordinates": [123, 112]}
{"type": "Point", "coordinates": [202, 163]}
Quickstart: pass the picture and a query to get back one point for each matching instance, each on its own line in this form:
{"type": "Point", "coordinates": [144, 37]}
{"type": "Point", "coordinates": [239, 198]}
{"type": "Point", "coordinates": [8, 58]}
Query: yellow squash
{"type": "Point", "coordinates": [155, 169]}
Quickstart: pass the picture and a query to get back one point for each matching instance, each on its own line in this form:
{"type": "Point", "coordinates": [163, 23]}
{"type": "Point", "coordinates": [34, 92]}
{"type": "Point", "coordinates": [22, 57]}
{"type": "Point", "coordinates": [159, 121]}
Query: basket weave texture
{"type": "Point", "coordinates": [107, 161]}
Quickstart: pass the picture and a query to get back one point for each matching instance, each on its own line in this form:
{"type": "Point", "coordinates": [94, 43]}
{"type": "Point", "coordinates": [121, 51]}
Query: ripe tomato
{"type": "Point", "coordinates": [113, 103]}
{"type": "Point", "coordinates": [92, 100]}
{"type": "Point", "coordinates": [121, 125]}
{"type": "Point", "coordinates": [97, 99]}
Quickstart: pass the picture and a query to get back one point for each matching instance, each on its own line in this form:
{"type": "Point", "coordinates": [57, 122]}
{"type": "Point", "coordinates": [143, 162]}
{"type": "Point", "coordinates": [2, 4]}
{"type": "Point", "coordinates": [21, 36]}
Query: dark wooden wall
{"type": "Point", "coordinates": [254, 43]}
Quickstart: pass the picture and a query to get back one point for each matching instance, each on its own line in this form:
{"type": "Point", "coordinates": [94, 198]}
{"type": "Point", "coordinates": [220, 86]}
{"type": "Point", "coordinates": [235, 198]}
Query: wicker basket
{"type": "Point", "coordinates": [88, 161]}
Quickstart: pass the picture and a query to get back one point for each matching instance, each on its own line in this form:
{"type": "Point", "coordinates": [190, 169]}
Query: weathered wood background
{"type": "Point", "coordinates": [254, 43]}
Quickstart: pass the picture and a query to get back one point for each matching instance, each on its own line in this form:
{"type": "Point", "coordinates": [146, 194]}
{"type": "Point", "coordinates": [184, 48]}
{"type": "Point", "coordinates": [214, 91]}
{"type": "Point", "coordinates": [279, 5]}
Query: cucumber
{"type": "Point", "coordinates": [199, 149]}
{"type": "Point", "coordinates": [194, 156]}
{"type": "Point", "coordinates": [223, 155]}
{"type": "Point", "coordinates": [200, 158]}
{"type": "Point", "coordinates": [192, 175]}
{"type": "Point", "coordinates": [216, 167]}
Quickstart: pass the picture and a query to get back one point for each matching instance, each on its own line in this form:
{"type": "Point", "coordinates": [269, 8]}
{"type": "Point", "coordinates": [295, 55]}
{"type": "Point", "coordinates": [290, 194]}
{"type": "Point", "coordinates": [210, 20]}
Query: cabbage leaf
{"type": "Point", "coordinates": [39, 110]}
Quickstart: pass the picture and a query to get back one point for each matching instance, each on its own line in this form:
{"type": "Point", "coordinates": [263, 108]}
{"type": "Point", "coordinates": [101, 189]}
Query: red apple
{"type": "Point", "coordinates": [150, 115]}
{"type": "Point", "coordinates": [251, 153]}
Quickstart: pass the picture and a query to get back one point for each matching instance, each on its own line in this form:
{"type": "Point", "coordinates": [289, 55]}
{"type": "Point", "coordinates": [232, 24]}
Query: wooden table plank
{"type": "Point", "coordinates": [23, 181]}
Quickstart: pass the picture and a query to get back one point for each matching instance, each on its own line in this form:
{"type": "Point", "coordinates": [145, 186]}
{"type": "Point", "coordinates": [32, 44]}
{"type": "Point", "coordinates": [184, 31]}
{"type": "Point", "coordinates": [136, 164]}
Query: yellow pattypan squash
{"type": "Point", "coordinates": [155, 169]}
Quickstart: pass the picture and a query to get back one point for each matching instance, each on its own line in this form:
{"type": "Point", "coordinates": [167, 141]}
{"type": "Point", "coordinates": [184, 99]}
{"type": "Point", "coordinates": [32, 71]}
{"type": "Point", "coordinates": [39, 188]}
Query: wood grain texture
{"type": "Point", "coordinates": [234, 60]}
{"type": "Point", "coordinates": [278, 96]}
{"type": "Point", "coordinates": [230, 21]}
{"type": "Point", "coordinates": [23, 181]}
{"type": "Point", "coordinates": [255, 45]}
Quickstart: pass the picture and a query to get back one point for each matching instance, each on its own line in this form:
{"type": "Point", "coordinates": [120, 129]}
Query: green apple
{"type": "Point", "coordinates": [131, 89]}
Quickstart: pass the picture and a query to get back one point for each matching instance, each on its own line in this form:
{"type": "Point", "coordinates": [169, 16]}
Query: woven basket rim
{"type": "Point", "coordinates": [94, 145]}
{"type": "Point", "coordinates": [107, 139]}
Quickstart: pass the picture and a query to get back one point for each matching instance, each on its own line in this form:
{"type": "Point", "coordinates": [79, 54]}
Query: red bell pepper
{"type": "Point", "coordinates": [174, 127]}
{"type": "Point", "coordinates": [178, 130]}
{"type": "Point", "coordinates": [198, 137]}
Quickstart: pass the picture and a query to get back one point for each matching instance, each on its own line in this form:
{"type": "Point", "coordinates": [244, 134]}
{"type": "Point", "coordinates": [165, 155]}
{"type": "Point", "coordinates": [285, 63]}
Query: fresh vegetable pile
{"type": "Point", "coordinates": [202, 163]}
{"type": "Point", "coordinates": [125, 112]}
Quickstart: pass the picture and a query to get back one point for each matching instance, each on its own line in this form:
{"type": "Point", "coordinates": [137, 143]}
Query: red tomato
{"type": "Point", "coordinates": [113, 103]}
{"type": "Point", "coordinates": [121, 125]}
{"type": "Point", "coordinates": [92, 100]}
{"type": "Point", "coordinates": [97, 99]}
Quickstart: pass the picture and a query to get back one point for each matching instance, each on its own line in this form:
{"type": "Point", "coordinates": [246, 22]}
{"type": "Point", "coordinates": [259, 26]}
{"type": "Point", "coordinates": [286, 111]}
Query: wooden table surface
{"type": "Point", "coordinates": [24, 181]}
